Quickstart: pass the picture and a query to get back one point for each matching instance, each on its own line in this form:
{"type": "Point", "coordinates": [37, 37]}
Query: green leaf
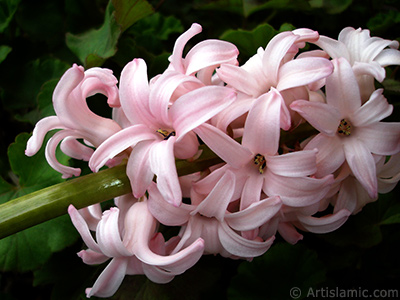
{"type": "Point", "coordinates": [249, 41]}
{"type": "Point", "coordinates": [31, 77]}
{"type": "Point", "coordinates": [232, 6]}
{"type": "Point", "coordinates": [29, 249]}
{"type": "Point", "coordinates": [331, 6]}
{"type": "Point", "coordinates": [251, 7]}
{"type": "Point", "coordinates": [4, 51]}
{"type": "Point", "coordinates": [44, 106]}
{"type": "Point", "coordinates": [392, 215]}
{"type": "Point", "coordinates": [128, 12]}
{"type": "Point", "coordinates": [34, 172]}
{"type": "Point", "coordinates": [7, 11]}
{"type": "Point", "coordinates": [94, 47]}
{"type": "Point", "coordinates": [274, 274]}
{"type": "Point", "coordinates": [383, 21]}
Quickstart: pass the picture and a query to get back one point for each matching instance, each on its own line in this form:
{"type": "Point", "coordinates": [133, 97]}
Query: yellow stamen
{"type": "Point", "coordinates": [260, 161]}
{"type": "Point", "coordinates": [166, 134]}
{"type": "Point", "coordinates": [344, 128]}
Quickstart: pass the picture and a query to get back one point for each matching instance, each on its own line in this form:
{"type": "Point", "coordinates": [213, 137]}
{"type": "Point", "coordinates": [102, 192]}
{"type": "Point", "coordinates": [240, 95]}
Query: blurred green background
{"type": "Point", "coordinates": [38, 42]}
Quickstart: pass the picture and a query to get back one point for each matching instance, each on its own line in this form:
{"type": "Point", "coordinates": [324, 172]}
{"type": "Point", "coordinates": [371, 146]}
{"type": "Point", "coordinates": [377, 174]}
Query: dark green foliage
{"type": "Point", "coordinates": [38, 42]}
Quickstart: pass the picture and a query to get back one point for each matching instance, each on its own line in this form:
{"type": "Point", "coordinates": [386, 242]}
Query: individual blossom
{"type": "Point", "coordinates": [292, 219]}
{"type": "Point", "coordinates": [210, 218]}
{"type": "Point", "coordinates": [353, 196]}
{"type": "Point", "coordinates": [367, 55]}
{"type": "Point", "coordinates": [160, 130]}
{"type": "Point", "coordinates": [258, 166]}
{"type": "Point", "coordinates": [134, 249]}
{"type": "Point", "coordinates": [203, 58]}
{"type": "Point", "coordinates": [349, 130]}
{"type": "Point", "coordinates": [76, 121]}
{"type": "Point", "coordinates": [275, 67]}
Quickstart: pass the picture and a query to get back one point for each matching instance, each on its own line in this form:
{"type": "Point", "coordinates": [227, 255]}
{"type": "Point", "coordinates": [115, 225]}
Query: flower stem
{"type": "Point", "coordinates": [37, 207]}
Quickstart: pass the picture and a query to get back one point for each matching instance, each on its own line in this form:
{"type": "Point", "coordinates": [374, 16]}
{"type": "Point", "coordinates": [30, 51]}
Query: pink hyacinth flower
{"type": "Point", "coordinates": [275, 67]}
{"type": "Point", "coordinates": [256, 163]}
{"type": "Point", "coordinates": [210, 219]}
{"type": "Point", "coordinates": [350, 131]}
{"type": "Point", "coordinates": [367, 55]}
{"type": "Point", "coordinates": [75, 118]}
{"type": "Point", "coordinates": [159, 131]}
{"type": "Point", "coordinates": [133, 249]}
{"type": "Point", "coordinates": [203, 58]}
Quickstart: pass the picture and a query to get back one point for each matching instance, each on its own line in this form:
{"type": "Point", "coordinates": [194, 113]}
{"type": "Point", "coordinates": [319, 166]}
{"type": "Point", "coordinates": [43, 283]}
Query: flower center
{"type": "Point", "coordinates": [344, 128]}
{"type": "Point", "coordinates": [166, 134]}
{"type": "Point", "coordinates": [260, 161]}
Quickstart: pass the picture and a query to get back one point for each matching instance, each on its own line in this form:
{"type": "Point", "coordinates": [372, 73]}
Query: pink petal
{"type": "Point", "coordinates": [275, 51]}
{"type": "Point", "coordinates": [162, 164]}
{"type": "Point", "coordinates": [119, 142]}
{"type": "Point", "coordinates": [187, 146]}
{"type": "Point", "coordinates": [209, 53]}
{"type": "Point", "coordinates": [161, 92]}
{"type": "Point", "coordinates": [217, 201]}
{"type": "Point", "coordinates": [138, 168]}
{"type": "Point", "coordinates": [50, 153]}
{"type": "Point", "coordinates": [330, 154]}
{"type": "Point", "coordinates": [157, 275]}
{"type": "Point", "coordinates": [362, 164]}
{"type": "Point", "coordinates": [240, 106]}
{"type": "Point", "coordinates": [251, 191]}
{"type": "Point", "coordinates": [140, 225]}
{"type": "Point", "coordinates": [321, 116]}
{"type": "Point", "coordinates": [374, 46]}
{"type": "Point", "coordinates": [297, 191]}
{"type": "Point", "coordinates": [134, 93]}
{"type": "Point", "coordinates": [108, 235]}
{"type": "Point", "coordinates": [324, 224]}
{"type": "Point", "coordinates": [83, 229]}
{"type": "Point", "coordinates": [289, 233]}
{"type": "Point", "coordinates": [388, 57]}
{"type": "Point", "coordinates": [101, 80]}
{"type": "Point", "coordinates": [198, 106]}
{"type": "Point", "coordinates": [254, 215]}
{"type": "Point", "coordinates": [347, 197]}
{"type": "Point", "coordinates": [334, 48]}
{"type": "Point", "coordinates": [342, 90]}
{"type": "Point", "coordinates": [177, 53]}
{"type": "Point", "coordinates": [381, 138]}
{"type": "Point", "coordinates": [164, 212]}
{"type": "Point", "coordinates": [39, 132]}
{"type": "Point", "coordinates": [109, 280]}
{"type": "Point", "coordinates": [91, 257]}
{"type": "Point", "coordinates": [369, 68]}
{"type": "Point", "coordinates": [75, 149]}
{"type": "Point", "coordinates": [262, 127]}
{"type": "Point", "coordinates": [237, 77]}
{"type": "Point", "coordinates": [303, 71]}
{"type": "Point", "coordinates": [374, 110]}
{"type": "Point", "coordinates": [294, 164]}
{"type": "Point", "coordinates": [239, 246]}
{"type": "Point", "coordinates": [224, 146]}
{"type": "Point", "coordinates": [69, 101]}
{"type": "Point", "coordinates": [92, 215]}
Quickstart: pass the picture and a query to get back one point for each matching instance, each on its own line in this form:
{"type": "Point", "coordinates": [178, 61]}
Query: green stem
{"type": "Point", "coordinates": [32, 209]}
{"type": "Point", "coordinates": [53, 201]}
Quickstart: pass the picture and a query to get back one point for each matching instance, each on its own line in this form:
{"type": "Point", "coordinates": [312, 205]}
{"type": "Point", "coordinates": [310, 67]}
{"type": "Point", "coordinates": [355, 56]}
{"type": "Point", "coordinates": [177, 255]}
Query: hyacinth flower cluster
{"type": "Point", "coordinates": [246, 114]}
